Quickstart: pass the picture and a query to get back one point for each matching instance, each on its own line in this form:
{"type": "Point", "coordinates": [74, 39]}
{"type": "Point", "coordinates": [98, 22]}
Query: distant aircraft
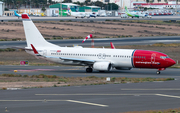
{"type": "Point", "coordinates": [92, 14]}
{"type": "Point", "coordinates": [99, 59]}
{"type": "Point", "coordinates": [76, 14]}
{"type": "Point", "coordinates": [134, 14]}
{"type": "Point", "coordinates": [16, 14]}
{"type": "Point", "coordinates": [81, 14]}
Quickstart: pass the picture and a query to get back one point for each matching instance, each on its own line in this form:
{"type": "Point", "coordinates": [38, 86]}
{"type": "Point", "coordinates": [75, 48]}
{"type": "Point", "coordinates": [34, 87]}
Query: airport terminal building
{"type": "Point", "coordinates": [160, 5]}
{"type": "Point", "coordinates": [74, 7]}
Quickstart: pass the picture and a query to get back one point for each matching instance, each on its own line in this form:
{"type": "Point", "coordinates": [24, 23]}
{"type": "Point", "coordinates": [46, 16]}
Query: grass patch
{"type": "Point", "coordinates": [4, 88]}
{"type": "Point", "coordinates": [7, 50]}
{"type": "Point", "coordinates": [157, 22]}
{"type": "Point", "coordinates": [166, 45]}
{"type": "Point", "coordinates": [177, 110]}
{"type": "Point", "coordinates": [76, 80]}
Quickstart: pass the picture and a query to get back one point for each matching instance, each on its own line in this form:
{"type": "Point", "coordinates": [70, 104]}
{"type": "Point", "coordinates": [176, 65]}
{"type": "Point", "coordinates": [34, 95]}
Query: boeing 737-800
{"type": "Point", "coordinates": [94, 58]}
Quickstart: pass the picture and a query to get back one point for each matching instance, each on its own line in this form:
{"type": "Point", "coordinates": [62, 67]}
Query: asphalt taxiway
{"type": "Point", "coordinates": [164, 18]}
{"type": "Point", "coordinates": [100, 42]}
{"type": "Point", "coordinates": [77, 71]}
{"type": "Point", "coordinates": [111, 98]}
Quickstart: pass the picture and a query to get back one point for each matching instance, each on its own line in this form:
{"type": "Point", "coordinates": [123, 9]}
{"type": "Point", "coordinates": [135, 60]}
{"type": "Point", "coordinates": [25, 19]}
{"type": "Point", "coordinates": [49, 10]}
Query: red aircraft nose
{"type": "Point", "coordinates": [171, 62]}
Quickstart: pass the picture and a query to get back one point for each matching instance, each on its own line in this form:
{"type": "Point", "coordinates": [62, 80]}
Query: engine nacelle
{"type": "Point", "coordinates": [123, 68]}
{"type": "Point", "coordinates": [102, 66]}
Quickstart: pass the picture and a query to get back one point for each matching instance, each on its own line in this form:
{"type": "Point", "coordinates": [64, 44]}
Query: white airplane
{"type": "Point", "coordinates": [76, 14]}
{"type": "Point", "coordinates": [81, 14]}
{"type": "Point", "coordinates": [18, 15]}
{"type": "Point", "coordinates": [94, 58]}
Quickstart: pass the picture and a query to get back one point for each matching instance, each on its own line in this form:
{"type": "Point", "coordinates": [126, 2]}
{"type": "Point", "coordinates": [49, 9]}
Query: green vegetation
{"type": "Point", "coordinates": [7, 50]}
{"type": "Point", "coordinates": [156, 22]}
{"type": "Point", "coordinates": [56, 81]}
{"type": "Point", "coordinates": [166, 45]}
{"type": "Point", "coordinates": [177, 110]}
{"type": "Point", "coordinates": [101, 80]}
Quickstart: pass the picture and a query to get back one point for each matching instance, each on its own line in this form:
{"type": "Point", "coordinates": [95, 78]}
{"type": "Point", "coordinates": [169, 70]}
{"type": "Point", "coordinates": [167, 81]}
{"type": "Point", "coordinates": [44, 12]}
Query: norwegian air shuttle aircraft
{"type": "Point", "coordinates": [94, 58]}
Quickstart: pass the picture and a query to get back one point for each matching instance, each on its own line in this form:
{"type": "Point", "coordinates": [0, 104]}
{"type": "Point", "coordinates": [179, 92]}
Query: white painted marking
{"type": "Point", "coordinates": [167, 95]}
{"type": "Point", "coordinates": [155, 89]}
{"type": "Point", "coordinates": [101, 105]}
{"type": "Point", "coordinates": [13, 88]}
{"type": "Point", "coordinates": [162, 41]}
{"type": "Point", "coordinates": [75, 101]}
{"type": "Point", "coordinates": [89, 94]}
{"type": "Point", "coordinates": [28, 100]}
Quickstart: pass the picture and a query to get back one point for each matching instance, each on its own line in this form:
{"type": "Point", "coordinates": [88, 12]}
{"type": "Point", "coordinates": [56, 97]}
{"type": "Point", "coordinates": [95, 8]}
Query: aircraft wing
{"type": "Point", "coordinates": [16, 47]}
{"type": "Point", "coordinates": [73, 59]}
{"type": "Point", "coordinates": [78, 60]}
{"type": "Point", "coordinates": [63, 58]}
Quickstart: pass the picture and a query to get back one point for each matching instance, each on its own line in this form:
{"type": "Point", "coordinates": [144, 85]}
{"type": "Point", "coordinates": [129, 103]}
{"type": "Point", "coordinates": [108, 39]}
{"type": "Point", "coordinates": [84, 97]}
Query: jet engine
{"type": "Point", "coordinates": [102, 66]}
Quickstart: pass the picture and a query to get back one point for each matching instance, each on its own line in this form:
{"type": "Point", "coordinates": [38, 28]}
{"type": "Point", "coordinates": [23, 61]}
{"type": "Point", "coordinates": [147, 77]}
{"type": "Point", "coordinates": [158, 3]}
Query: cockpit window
{"type": "Point", "coordinates": [164, 57]}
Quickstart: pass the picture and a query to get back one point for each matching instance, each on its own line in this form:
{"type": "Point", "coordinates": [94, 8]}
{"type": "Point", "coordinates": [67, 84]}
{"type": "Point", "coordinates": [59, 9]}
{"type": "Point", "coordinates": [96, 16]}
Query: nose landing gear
{"type": "Point", "coordinates": [160, 69]}
{"type": "Point", "coordinates": [158, 72]}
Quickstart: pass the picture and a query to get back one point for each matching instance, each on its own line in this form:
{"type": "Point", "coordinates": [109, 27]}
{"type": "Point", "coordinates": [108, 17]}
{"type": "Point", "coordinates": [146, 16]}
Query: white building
{"type": "Point", "coordinates": [123, 3]}
{"type": "Point", "coordinates": [128, 3]}
{"type": "Point", "coordinates": [1, 8]}
{"type": "Point", "coordinates": [160, 5]}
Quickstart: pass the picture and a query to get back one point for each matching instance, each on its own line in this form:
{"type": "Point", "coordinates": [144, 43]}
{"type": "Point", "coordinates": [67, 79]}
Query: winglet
{"type": "Point", "coordinates": [25, 16]}
{"type": "Point", "coordinates": [112, 46]}
{"type": "Point", "coordinates": [35, 51]}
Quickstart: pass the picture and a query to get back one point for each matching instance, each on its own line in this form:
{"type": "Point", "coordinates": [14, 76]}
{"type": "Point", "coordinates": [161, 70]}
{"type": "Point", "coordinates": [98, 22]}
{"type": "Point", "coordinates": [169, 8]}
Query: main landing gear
{"type": "Point", "coordinates": [89, 70]}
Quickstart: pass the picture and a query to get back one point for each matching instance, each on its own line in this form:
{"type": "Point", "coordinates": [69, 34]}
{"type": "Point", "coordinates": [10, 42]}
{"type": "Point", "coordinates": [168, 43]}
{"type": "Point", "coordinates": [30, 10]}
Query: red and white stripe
{"type": "Point", "coordinates": [89, 36]}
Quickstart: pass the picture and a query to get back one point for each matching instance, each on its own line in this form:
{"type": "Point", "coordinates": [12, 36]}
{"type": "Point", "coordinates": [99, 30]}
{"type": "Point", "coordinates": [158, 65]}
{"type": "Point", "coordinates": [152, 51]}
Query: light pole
{"type": "Point", "coordinates": [13, 4]}
{"type": "Point", "coordinates": [30, 6]}
{"type": "Point", "coordinates": [26, 4]}
{"type": "Point", "coordinates": [61, 8]}
{"type": "Point", "coordinates": [176, 6]}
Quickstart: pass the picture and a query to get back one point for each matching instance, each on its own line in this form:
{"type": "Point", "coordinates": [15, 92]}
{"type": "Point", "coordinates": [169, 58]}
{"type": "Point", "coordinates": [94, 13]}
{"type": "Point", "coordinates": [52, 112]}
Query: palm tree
{"type": "Point", "coordinates": [147, 1]}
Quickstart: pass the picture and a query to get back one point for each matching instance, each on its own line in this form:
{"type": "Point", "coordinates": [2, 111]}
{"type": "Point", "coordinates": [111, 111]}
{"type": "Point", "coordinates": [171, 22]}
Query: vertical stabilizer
{"type": "Point", "coordinates": [69, 11]}
{"type": "Point", "coordinates": [33, 36]}
{"type": "Point", "coordinates": [15, 13]}
{"type": "Point", "coordinates": [126, 9]}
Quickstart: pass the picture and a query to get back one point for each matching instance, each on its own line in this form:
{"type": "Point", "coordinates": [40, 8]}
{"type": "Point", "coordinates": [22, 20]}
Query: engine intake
{"type": "Point", "coordinates": [102, 66]}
